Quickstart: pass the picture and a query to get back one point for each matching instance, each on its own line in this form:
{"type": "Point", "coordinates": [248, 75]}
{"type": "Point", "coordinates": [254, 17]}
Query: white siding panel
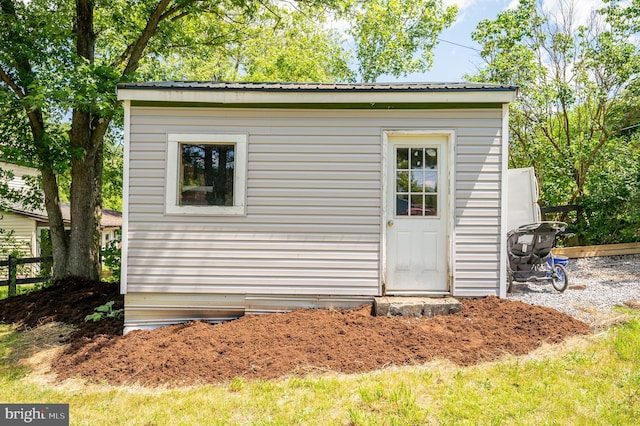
{"type": "Point", "coordinates": [477, 159]}
{"type": "Point", "coordinates": [471, 212]}
{"type": "Point", "coordinates": [148, 213]}
{"type": "Point", "coordinates": [24, 230]}
{"type": "Point", "coordinates": [328, 182]}
{"type": "Point", "coordinates": [312, 228]}
{"type": "Point", "coordinates": [479, 231]}
{"type": "Point", "coordinates": [477, 177]}
{"type": "Point", "coordinates": [226, 267]}
{"type": "Point", "coordinates": [483, 149]}
{"type": "Point", "coordinates": [142, 184]}
{"type": "Point", "coordinates": [475, 220]}
{"type": "Point", "coordinates": [148, 163]}
{"type": "Point", "coordinates": [335, 194]}
{"type": "Point", "coordinates": [321, 241]}
{"type": "Point", "coordinates": [149, 144]}
{"type": "Point", "coordinates": [492, 204]}
{"type": "Point", "coordinates": [303, 147]}
{"type": "Point", "coordinates": [297, 142]}
{"type": "Point", "coordinates": [146, 198]}
{"type": "Point", "coordinates": [149, 155]}
{"type": "Point", "coordinates": [314, 176]}
{"type": "Point", "coordinates": [149, 223]}
{"type": "Point", "coordinates": [471, 257]}
{"type": "Point", "coordinates": [308, 201]}
{"type": "Point", "coordinates": [239, 271]}
{"type": "Point", "coordinates": [313, 166]}
{"type": "Point", "coordinates": [478, 209]}
{"type": "Point", "coordinates": [479, 167]}
{"type": "Point", "coordinates": [314, 210]}
{"type": "Point", "coordinates": [145, 281]}
{"type": "Point", "coordinates": [469, 275]}
{"type": "Point", "coordinates": [260, 242]}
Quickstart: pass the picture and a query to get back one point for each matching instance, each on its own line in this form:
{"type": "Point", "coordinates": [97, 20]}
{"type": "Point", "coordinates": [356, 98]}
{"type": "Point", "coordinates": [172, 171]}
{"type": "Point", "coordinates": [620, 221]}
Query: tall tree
{"type": "Point", "coordinates": [575, 79]}
{"type": "Point", "coordinates": [397, 37]}
{"type": "Point", "coordinates": [60, 61]}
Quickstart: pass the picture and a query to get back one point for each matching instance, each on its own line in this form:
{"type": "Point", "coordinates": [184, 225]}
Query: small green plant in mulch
{"type": "Point", "coordinates": [105, 311]}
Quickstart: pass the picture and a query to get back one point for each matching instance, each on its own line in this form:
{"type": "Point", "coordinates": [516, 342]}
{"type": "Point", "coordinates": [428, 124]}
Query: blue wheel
{"type": "Point", "coordinates": [559, 278]}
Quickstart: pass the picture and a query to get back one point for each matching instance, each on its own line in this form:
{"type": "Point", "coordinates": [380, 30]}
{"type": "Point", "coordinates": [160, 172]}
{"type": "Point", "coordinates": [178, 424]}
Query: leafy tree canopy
{"type": "Point", "coordinates": [579, 86]}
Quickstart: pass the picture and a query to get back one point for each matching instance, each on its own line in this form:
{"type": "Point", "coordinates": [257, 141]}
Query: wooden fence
{"type": "Point", "coordinates": [562, 209]}
{"type": "Point", "coordinates": [12, 279]}
{"type": "Point", "coordinates": [601, 250]}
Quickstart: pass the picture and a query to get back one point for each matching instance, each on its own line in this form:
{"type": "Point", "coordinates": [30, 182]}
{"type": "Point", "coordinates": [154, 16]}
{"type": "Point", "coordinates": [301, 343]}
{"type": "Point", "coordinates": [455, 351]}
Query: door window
{"type": "Point", "coordinates": [416, 181]}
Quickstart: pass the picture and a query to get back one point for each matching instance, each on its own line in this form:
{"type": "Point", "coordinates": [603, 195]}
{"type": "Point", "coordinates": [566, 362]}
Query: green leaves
{"type": "Point", "coordinates": [576, 89]}
{"type": "Point", "coordinates": [105, 311]}
{"type": "Point", "coordinates": [293, 46]}
{"type": "Point", "coordinates": [396, 37]}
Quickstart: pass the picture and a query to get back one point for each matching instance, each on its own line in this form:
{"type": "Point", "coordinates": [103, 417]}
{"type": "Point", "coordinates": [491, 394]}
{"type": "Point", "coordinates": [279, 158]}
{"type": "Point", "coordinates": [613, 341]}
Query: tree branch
{"type": "Point", "coordinates": [134, 52]}
{"type": "Point", "coordinates": [21, 61]}
{"type": "Point", "coordinates": [548, 135]}
{"type": "Point", "coordinates": [6, 78]}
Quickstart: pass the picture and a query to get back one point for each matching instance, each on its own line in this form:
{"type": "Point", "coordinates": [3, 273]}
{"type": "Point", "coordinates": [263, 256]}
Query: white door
{"type": "Point", "coordinates": [417, 214]}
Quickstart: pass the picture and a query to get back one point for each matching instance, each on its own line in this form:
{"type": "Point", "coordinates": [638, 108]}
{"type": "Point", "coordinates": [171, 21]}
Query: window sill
{"type": "Point", "coordinates": [205, 210]}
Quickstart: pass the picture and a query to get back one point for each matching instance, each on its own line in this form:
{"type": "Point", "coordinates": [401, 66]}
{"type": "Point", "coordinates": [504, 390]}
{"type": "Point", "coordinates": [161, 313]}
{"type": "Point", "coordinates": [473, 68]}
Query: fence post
{"type": "Point", "coordinates": [13, 271]}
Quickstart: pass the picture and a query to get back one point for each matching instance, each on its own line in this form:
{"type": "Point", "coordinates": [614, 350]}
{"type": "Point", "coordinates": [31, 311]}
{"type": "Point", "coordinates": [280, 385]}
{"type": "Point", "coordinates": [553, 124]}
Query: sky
{"type": "Point", "coordinates": [452, 61]}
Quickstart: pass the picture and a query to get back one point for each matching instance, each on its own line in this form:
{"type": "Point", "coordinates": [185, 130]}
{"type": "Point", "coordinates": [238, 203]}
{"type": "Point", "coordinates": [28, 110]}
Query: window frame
{"type": "Point", "coordinates": [172, 186]}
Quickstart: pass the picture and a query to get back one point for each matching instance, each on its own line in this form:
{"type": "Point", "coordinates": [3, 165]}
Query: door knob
{"type": "Point", "coordinates": [390, 223]}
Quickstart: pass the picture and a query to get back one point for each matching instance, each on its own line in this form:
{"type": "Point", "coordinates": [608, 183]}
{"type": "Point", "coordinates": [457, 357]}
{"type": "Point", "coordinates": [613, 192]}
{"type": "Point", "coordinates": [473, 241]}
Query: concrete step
{"type": "Point", "coordinates": [415, 306]}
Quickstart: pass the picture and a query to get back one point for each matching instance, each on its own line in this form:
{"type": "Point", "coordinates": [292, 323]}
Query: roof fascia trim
{"type": "Point", "coordinates": [336, 97]}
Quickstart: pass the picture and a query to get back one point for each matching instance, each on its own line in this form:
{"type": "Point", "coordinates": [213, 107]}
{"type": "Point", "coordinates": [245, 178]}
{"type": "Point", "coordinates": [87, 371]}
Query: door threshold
{"type": "Point", "coordinates": [409, 293]}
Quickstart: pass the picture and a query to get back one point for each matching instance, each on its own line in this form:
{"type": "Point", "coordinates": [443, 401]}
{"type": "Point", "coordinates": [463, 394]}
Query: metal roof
{"type": "Point", "coordinates": [317, 87]}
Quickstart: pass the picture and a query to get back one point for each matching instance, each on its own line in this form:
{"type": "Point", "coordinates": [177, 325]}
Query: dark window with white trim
{"type": "Point", "coordinates": [206, 174]}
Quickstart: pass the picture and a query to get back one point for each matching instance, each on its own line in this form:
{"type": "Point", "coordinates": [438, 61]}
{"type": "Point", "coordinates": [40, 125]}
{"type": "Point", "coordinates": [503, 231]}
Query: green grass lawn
{"type": "Point", "coordinates": [20, 289]}
{"type": "Point", "coordinates": [585, 381]}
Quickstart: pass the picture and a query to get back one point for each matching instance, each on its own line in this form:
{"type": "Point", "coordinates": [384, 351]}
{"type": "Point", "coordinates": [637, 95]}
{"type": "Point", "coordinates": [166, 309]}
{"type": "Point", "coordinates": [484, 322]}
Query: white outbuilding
{"type": "Point", "coordinates": [261, 197]}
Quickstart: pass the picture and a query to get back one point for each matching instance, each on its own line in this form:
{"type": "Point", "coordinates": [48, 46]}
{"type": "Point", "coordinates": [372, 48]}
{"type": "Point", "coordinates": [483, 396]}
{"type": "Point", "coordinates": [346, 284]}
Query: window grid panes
{"type": "Point", "coordinates": [416, 181]}
{"type": "Point", "coordinates": [206, 174]}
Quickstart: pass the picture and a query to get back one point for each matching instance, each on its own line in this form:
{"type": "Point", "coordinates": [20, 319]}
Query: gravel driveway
{"type": "Point", "coordinates": [596, 285]}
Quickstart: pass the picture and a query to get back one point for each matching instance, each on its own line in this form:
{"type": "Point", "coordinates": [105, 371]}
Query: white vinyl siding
{"type": "Point", "coordinates": [22, 231]}
{"type": "Point", "coordinates": [20, 174]}
{"type": "Point", "coordinates": [313, 204]}
{"type": "Point", "coordinates": [478, 210]}
{"type": "Point", "coordinates": [24, 228]}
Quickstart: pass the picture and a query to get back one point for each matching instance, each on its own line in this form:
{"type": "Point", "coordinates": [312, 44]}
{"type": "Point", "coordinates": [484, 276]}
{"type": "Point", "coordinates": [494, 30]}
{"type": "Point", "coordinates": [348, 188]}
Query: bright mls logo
{"type": "Point", "coordinates": [34, 414]}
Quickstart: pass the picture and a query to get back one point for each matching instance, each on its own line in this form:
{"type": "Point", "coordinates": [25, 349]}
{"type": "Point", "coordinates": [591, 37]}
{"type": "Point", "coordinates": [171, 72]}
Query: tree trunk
{"type": "Point", "coordinates": [86, 139]}
{"type": "Point", "coordinates": [88, 128]}
{"type": "Point", "coordinates": [86, 197]}
{"type": "Point", "coordinates": [59, 238]}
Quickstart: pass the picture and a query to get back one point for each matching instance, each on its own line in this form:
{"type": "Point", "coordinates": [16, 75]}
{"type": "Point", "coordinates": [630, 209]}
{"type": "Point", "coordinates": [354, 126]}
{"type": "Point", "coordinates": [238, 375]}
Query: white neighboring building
{"type": "Point", "coordinates": [28, 224]}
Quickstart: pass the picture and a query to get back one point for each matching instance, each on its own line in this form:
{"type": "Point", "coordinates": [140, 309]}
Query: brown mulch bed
{"type": "Point", "coordinates": [274, 345]}
{"type": "Point", "coordinates": [68, 301]}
